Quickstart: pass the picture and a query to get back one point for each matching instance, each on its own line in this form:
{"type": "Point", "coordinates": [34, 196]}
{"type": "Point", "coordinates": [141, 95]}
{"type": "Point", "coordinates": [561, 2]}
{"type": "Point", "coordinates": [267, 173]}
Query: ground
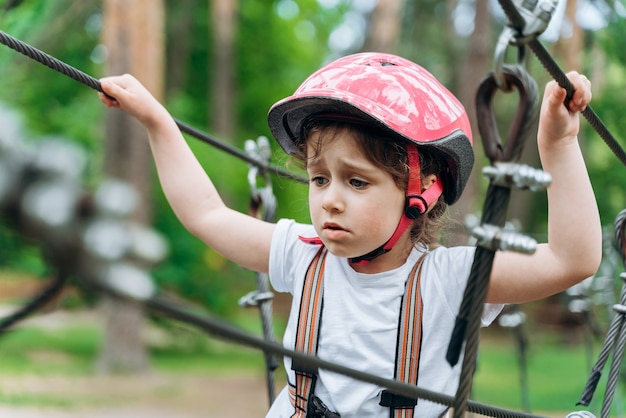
{"type": "Point", "coordinates": [154, 395]}
{"type": "Point", "coordinates": [142, 397]}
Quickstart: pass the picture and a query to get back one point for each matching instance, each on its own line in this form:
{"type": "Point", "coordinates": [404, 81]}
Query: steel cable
{"type": "Point", "coordinates": [517, 22]}
{"type": "Point", "coordinates": [615, 340]}
{"type": "Point", "coordinates": [89, 81]}
{"type": "Point", "coordinates": [494, 213]}
{"type": "Point", "coordinates": [227, 331]}
{"type": "Point", "coordinates": [52, 289]}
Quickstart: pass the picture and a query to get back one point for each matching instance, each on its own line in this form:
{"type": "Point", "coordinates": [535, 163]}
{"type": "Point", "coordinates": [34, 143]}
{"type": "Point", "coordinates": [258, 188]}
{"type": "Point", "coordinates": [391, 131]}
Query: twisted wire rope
{"type": "Point", "coordinates": [63, 68]}
{"type": "Point", "coordinates": [517, 21]}
{"type": "Point", "coordinates": [52, 289]}
{"type": "Point", "coordinates": [614, 369]}
{"type": "Point", "coordinates": [494, 213]}
{"type": "Point", "coordinates": [227, 331]}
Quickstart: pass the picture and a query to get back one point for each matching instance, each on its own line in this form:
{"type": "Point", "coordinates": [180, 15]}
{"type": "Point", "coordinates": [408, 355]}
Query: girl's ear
{"type": "Point", "coordinates": [427, 181]}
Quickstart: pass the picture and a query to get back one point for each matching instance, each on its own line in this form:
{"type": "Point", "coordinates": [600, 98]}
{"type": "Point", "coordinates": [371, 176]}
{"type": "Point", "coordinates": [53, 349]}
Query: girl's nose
{"type": "Point", "coordinates": [333, 200]}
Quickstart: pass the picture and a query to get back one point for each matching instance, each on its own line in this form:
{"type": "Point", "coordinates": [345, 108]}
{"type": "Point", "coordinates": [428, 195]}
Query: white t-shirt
{"type": "Point", "coordinates": [360, 321]}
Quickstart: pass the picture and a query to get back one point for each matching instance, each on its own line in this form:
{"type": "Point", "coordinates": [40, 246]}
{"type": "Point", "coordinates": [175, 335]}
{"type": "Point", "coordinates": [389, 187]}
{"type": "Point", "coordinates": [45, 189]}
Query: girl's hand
{"type": "Point", "coordinates": [556, 121]}
{"type": "Point", "coordinates": [127, 93]}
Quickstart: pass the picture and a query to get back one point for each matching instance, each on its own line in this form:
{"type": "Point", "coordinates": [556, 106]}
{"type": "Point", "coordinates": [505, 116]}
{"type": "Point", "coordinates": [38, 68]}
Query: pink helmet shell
{"type": "Point", "coordinates": [391, 93]}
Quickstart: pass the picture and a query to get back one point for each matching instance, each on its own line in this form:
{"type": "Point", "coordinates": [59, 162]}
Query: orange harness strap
{"type": "Point", "coordinates": [307, 334]}
{"type": "Point", "coordinates": [407, 347]}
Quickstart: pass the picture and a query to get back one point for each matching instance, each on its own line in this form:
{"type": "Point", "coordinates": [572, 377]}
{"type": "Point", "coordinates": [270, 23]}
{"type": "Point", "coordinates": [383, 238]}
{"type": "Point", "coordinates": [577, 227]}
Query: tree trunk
{"type": "Point", "coordinates": [478, 59]}
{"type": "Point", "coordinates": [133, 35]}
{"type": "Point", "coordinates": [385, 24]}
{"type": "Point", "coordinates": [223, 93]}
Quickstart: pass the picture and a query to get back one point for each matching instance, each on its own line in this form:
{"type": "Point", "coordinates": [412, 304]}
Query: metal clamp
{"type": "Point", "coordinates": [536, 16]}
{"type": "Point", "coordinates": [260, 195]}
{"type": "Point", "coordinates": [520, 176]}
{"type": "Point", "coordinates": [495, 238]}
{"type": "Point", "coordinates": [254, 298]}
{"type": "Point", "coordinates": [512, 319]}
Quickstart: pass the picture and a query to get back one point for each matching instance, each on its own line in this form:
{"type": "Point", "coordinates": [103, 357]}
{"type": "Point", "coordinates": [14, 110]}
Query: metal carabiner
{"type": "Point", "coordinates": [524, 119]}
{"type": "Point", "coordinates": [260, 196]}
{"type": "Point", "coordinates": [534, 18]}
{"type": "Point", "coordinates": [507, 37]}
{"type": "Point", "coordinates": [537, 16]}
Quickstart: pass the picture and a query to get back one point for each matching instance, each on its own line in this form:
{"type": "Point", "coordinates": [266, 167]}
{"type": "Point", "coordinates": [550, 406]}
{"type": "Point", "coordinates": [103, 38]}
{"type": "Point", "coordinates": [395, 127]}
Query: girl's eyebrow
{"type": "Point", "coordinates": [349, 164]}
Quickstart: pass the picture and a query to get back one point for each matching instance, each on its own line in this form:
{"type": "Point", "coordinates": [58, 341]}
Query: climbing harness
{"type": "Point", "coordinates": [262, 198]}
{"type": "Point", "coordinates": [308, 331]}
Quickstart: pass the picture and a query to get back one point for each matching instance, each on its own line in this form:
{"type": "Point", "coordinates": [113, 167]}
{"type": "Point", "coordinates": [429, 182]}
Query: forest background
{"type": "Point", "coordinates": [219, 65]}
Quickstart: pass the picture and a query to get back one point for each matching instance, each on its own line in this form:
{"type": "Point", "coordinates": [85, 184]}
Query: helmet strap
{"type": "Point", "coordinates": [417, 204]}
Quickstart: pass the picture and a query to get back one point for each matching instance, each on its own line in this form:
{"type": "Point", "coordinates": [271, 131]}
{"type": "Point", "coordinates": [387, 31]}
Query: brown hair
{"type": "Point", "coordinates": [389, 154]}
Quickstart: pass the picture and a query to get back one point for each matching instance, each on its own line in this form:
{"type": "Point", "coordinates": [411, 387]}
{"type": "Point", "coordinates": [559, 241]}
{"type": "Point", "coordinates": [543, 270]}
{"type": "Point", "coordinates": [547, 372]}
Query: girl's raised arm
{"type": "Point", "coordinates": [197, 204]}
{"type": "Point", "coordinates": [574, 248]}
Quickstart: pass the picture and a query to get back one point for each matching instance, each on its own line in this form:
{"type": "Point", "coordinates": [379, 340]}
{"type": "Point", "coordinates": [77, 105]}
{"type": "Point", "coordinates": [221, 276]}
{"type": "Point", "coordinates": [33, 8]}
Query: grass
{"type": "Point", "coordinates": [556, 372]}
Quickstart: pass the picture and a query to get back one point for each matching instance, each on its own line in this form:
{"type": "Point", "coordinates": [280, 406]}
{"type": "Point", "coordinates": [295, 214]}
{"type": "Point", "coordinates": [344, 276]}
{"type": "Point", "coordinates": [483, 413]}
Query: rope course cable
{"type": "Point", "coordinates": [490, 237]}
{"type": "Point", "coordinates": [262, 204]}
{"type": "Point", "coordinates": [495, 207]}
{"type": "Point", "coordinates": [518, 23]}
{"type": "Point", "coordinates": [227, 331]}
{"type": "Point", "coordinates": [52, 289]}
{"type": "Point", "coordinates": [63, 68]}
{"type": "Point", "coordinates": [615, 340]}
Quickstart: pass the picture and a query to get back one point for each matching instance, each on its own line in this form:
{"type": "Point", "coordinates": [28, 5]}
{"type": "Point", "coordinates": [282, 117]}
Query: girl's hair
{"type": "Point", "coordinates": [389, 154]}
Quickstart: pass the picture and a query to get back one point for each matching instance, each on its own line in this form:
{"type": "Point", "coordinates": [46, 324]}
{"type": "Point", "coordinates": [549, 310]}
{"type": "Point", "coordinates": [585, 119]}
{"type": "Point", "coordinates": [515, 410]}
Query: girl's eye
{"type": "Point", "coordinates": [358, 184]}
{"type": "Point", "coordinates": [319, 181]}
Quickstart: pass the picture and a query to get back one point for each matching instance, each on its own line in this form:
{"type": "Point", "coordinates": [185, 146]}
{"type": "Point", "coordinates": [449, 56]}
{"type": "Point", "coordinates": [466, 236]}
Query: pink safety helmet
{"type": "Point", "coordinates": [393, 94]}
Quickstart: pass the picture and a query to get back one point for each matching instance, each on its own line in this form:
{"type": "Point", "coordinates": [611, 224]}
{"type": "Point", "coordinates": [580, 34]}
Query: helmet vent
{"type": "Point", "coordinates": [381, 63]}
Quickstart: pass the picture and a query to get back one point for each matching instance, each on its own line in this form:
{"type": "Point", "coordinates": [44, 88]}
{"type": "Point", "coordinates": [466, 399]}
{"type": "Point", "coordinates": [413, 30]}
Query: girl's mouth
{"type": "Point", "coordinates": [333, 231]}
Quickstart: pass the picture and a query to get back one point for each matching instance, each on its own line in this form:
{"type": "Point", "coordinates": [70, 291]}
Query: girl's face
{"type": "Point", "coordinates": [355, 205]}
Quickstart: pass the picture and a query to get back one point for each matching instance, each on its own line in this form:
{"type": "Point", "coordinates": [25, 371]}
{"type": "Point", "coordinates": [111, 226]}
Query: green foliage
{"type": "Point", "coordinates": [607, 172]}
{"type": "Point", "coordinates": [556, 375]}
{"type": "Point", "coordinates": [52, 104]}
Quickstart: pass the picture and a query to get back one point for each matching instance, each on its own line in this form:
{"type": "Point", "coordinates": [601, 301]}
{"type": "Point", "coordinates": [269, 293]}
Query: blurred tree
{"type": "Point", "coordinates": [49, 103]}
{"type": "Point", "coordinates": [385, 24]}
{"type": "Point", "coordinates": [133, 36]}
{"type": "Point", "coordinates": [224, 14]}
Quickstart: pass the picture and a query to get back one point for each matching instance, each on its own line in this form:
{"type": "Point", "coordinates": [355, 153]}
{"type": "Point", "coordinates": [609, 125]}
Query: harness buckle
{"type": "Point", "coordinates": [303, 367]}
{"type": "Point", "coordinates": [390, 399]}
{"type": "Point", "coordinates": [317, 409]}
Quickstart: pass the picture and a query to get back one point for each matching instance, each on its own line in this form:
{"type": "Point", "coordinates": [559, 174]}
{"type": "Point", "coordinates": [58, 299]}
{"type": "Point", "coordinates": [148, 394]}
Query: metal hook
{"type": "Point", "coordinates": [525, 115]}
{"type": "Point", "coordinates": [536, 17]}
{"type": "Point", "coordinates": [260, 196]}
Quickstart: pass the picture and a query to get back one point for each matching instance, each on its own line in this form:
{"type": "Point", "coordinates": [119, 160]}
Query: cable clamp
{"type": "Point", "coordinates": [495, 238]}
{"type": "Point", "coordinates": [519, 176]}
{"type": "Point", "coordinates": [255, 298]}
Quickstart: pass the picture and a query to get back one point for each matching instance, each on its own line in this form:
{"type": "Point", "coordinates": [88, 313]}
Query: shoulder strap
{"type": "Point", "coordinates": [307, 333]}
{"type": "Point", "coordinates": [408, 345]}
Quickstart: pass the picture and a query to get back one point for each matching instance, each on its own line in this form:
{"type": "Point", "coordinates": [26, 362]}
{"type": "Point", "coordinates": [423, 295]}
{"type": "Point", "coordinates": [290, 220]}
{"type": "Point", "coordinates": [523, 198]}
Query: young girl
{"type": "Point", "coordinates": [386, 148]}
